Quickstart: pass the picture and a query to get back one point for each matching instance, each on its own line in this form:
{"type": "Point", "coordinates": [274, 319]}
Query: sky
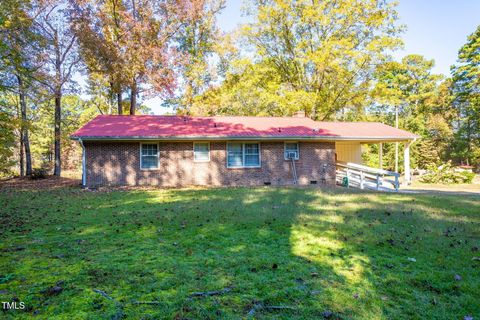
{"type": "Point", "coordinates": [436, 29]}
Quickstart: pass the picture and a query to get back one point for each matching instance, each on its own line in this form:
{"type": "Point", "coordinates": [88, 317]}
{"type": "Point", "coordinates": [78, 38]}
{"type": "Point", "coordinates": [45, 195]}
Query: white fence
{"type": "Point", "coordinates": [359, 176]}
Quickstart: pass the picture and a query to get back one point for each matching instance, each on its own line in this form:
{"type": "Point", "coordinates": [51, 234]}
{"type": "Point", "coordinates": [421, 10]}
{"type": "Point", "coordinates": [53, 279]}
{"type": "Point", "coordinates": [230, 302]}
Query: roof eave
{"type": "Point", "coordinates": [223, 138]}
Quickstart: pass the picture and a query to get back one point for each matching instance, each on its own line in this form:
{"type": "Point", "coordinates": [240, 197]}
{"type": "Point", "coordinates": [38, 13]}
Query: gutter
{"type": "Point", "coordinates": [84, 163]}
{"type": "Point", "coordinates": [243, 138]}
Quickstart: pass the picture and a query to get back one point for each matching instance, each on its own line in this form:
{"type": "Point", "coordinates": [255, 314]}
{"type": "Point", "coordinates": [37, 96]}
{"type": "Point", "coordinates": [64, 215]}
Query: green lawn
{"type": "Point", "coordinates": [457, 188]}
{"type": "Point", "coordinates": [337, 254]}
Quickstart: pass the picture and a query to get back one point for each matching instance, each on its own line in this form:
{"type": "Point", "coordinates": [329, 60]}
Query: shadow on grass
{"type": "Point", "coordinates": [317, 251]}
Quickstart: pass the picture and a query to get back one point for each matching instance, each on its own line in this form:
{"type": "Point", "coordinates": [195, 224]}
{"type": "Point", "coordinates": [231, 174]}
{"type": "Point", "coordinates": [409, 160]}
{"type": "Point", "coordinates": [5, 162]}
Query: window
{"type": "Point", "coordinates": [243, 155]}
{"type": "Point", "coordinates": [252, 154]}
{"type": "Point", "coordinates": [291, 150]}
{"type": "Point", "coordinates": [201, 151]}
{"type": "Point", "coordinates": [235, 155]}
{"type": "Point", "coordinates": [149, 156]}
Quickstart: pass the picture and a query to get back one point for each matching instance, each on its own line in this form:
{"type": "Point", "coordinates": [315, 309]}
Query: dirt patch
{"type": "Point", "coordinates": [49, 183]}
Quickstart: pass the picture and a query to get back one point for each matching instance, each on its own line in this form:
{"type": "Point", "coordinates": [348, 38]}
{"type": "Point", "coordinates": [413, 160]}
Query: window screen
{"type": "Point", "coordinates": [252, 155]}
{"type": "Point", "coordinates": [235, 155]}
{"type": "Point", "coordinates": [149, 156]}
{"type": "Point", "coordinates": [201, 151]}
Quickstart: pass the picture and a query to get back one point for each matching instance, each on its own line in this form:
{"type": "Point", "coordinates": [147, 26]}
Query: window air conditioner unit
{"type": "Point", "coordinates": [291, 155]}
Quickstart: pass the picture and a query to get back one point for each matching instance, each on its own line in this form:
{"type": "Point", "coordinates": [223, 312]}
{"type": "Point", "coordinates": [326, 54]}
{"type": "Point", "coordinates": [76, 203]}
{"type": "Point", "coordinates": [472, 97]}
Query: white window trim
{"type": "Point", "coordinates": [285, 150]}
{"type": "Point", "coordinates": [243, 155]}
{"type": "Point", "coordinates": [201, 142]}
{"type": "Point", "coordinates": [158, 157]}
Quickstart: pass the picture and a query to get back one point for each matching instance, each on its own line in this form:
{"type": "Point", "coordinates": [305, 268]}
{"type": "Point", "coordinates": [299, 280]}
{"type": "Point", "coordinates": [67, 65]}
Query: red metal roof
{"type": "Point", "coordinates": [169, 127]}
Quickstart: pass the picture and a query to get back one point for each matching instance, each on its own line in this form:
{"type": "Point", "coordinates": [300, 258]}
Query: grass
{"type": "Point", "coordinates": [325, 253]}
{"type": "Point", "coordinates": [460, 188]}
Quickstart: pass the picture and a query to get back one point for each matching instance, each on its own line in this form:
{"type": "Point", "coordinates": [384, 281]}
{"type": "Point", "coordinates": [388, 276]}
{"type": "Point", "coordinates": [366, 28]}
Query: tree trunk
{"type": "Point", "coordinates": [28, 154]}
{"type": "Point", "coordinates": [24, 129]}
{"type": "Point", "coordinates": [119, 103]}
{"type": "Point", "coordinates": [469, 140]}
{"type": "Point", "coordinates": [133, 98]}
{"type": "Point", "coordinates": [22, 165]}
{"type": "Point", "coordinates": [58, 107]}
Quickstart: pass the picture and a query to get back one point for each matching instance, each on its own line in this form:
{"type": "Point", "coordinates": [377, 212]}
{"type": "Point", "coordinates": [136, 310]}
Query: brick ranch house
{"type": "Point", "coordinates": [223, 151]}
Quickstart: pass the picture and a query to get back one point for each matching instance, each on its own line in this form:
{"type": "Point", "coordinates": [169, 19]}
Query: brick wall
{"type": "Point", "coordinates": [118, 163]}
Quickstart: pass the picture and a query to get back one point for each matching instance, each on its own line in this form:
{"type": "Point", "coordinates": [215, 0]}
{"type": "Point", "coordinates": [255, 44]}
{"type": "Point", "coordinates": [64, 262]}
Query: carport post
{"type": "Point", "coordinates": [380, 155]}
{"type": "Point", "coordinates": [406, 158]}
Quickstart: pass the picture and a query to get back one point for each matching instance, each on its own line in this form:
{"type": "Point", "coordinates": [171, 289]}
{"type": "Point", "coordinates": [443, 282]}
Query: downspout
{"type": "Point", "coordinates": [84, 163]}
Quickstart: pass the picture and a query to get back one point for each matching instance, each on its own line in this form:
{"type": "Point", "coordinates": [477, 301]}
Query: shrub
{"type": "Point", "coordinates": [469, 176]}
{"type": "Point", "coordinates": [445, 174]}
{"type": "Point", "coordinates": [6, 174]}
{"type": "Point", "coordinates": [38, 173]}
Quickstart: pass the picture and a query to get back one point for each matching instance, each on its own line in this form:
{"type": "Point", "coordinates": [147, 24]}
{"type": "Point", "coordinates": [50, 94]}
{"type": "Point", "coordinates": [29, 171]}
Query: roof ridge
{"type": "Point", "coordinates": [182, 116]}
{"type": "Point", "coordinates": [223, 116]}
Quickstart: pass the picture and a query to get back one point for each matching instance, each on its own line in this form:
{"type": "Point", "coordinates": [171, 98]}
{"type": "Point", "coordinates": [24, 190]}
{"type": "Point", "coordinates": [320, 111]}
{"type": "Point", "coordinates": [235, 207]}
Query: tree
{"type": "Point", "coordinates": [410, 86]}
{"type": "Point", "coordinates": [20, 45]}
{"type": "Point", "coordinates": [408, 89]}
{"type": "Point", "coordinates": [61, 62]}
{"type": "Point", "coordinates": [99, 30]}
{"type": "Point", "coordinates": [198, 41]}
{"type": "Point", "coordinates": [24, 127]}
{"type": "Point", "coordinates": [439, 128]}
{"type": "Point", "coordinates": [317, 55]}
{"type": "Point", "coordinates": [75, 112]}
{"type": "Point", "coordinates": [466, 91]}
{"type": "Point", "coordinates": [8, 125]}
{"type": "Point", "coordinates": [134, 43]}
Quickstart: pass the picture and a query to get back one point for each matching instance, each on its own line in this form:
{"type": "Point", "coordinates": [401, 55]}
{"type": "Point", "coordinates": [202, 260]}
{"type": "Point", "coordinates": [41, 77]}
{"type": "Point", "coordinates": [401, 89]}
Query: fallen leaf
{"type": "Point", "coordinates": [458, 277]}
{"type": "Point", "coordinates": [299, 280]}
{"type": "Point", "coordinates": [412, 259]}
{"type": "Point", "coordinates": [54, 290]}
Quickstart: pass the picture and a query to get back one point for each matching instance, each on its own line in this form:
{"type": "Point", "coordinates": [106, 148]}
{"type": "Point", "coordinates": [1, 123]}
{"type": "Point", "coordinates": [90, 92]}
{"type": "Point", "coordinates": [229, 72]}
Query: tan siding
{"type": "Point", "coordinates": [349, 152]}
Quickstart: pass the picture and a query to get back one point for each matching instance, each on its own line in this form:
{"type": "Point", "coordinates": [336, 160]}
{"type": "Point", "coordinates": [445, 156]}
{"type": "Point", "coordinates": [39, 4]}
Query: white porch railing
{"type": "Point", "coordinates": [359, 176]}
